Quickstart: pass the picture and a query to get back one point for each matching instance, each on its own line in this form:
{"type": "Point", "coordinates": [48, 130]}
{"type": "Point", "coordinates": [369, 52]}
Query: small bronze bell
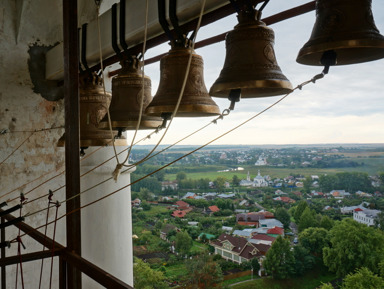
{"type": "Point", "coordinates": [345, 27]}
{"type": "Point", "coordinates": [127, 91]}
{"type": "Point", "coordinates": [93, 107]}
{"type": "Point", "coordinates": [195, 101]}
{"type": "Point", "coordinates": [250, 65]}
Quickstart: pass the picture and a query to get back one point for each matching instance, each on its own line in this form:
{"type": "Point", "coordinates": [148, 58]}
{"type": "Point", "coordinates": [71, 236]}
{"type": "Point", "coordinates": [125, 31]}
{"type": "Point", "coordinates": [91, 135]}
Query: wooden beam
{"type": "Point", "coordinates": [30, 257]}
{"type": "Point", "coordinates": [94, 272]}
{"type": "Point", "coordinates": [3, 270]}
{"type": "Point", "coordinates": [72, 133]}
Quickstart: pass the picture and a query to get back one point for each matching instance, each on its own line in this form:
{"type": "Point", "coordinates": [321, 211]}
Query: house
{"type": "Point", "coordinates": [247, 182]}
{"type": "Point", "coordinates": [351, 209]}
{"type": "Point", "coordinates": [262, 239]}
{"type": "Point", "coordinates": [178, 214]}
{"type": "Point", "coordinates": [270, 223]}
{"type": "Point", "coordinates": [339, 194]}
{"type": "Point", "coordinates": [287, 200]}
{"type": "Point", "coordinates": [165, 230]}
{"type": "Point", "coordinates": [259, 181]}
{"type": "Point", "coordinates": [181, 205]}
{"type": "Point", "coordinates": [227, 229]}
{"type": "Point", "coordinates": [279, 193]}
{"type": "Point", "coordinates": [189, 195]}
{"type": "Point", "coordinates": [136, 202]}
{"type": "Point", "coordinates": [242, 233]}
{"type": "Point", "coordinates": [212, 209]}
{"type": "Point", "coordinates": [363, 194]}
{"type": "Point", "coordinates": [249, 219]}
{"type": "Point", "coordinates": [207, 236]}
{"type": "Point", "coordinates": [366, 216]}
{"type": "Point", "coordinates": [173, 185]}
{"type": "Point", "coordinates": [226, 196]}
{"type": "Point", "coordinates": [244, 203]}
{"type": "Point", "coordinates": [237, 249]}
{"type": "Point", "coordinates": [275, 232]}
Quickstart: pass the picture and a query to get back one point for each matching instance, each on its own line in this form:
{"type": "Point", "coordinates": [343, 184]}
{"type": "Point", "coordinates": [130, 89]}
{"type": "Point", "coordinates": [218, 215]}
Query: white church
{"type": "Point", "coordinates": [259, 181]}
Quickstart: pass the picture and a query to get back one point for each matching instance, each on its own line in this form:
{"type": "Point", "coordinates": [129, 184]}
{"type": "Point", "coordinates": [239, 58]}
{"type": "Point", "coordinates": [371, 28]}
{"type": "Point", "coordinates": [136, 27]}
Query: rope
{"type": "Point", "coordinates": [102, 70]}
{"type": "Point", "coordinates": [16, 149]}
{"type": "Point", "coordinates": [7, 131]}
{"type": "Point", "coordinates": [119, 166]}
{"type": "Point", "coordinates": [53, 244]}
{"type": "Point", "coordinates": [45, 236]}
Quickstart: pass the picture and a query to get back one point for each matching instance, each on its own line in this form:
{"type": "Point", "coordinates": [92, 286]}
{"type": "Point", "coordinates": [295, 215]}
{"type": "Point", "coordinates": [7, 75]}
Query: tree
{"type": "Point", "coordinates": [363, 278]}
{"type": "Point", "coordinates": [314, 240]}
{"type": "Point", "coordinates": [204, 273]}
{"type": "Point", "coordinates": [307, 184]}
{"type": "Point", "coordinates": [307, 219]}
{"type": "Point", "coordinates": [300, 209]}
{"type": "Point", "coordinates": [326, 223]}
{"type": "Point", "coordinates": [303, 260]}
{"type": "Point", "coordinates": [328, 182]}
{"type": "Point", "coordinates": [280, 261]}
{"type": "Point", "coordinates": [326, 286]}
{"type": "Point", "coordinates": [235, 180]}
{"type": "Point", "coordinates": [181, 176]}
{"type": "Point", "coordinates": [220, 184]}
{"type": "Point", "coordinates": [379, 221]}
{"type": "Point", "coordinates": [146, 278]}
{"type": "Point", "coordinates": [183, 243]}
{"type": "Point", "coordinates": [283, 216]}
{"type": "Point", "coordinates": [353, 245]}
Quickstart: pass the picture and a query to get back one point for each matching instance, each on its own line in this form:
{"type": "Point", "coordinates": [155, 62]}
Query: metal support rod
{"type": "Point", "coordinates": [72, 133]}
{"type": "Point", "coordinates": [3, 270]}
{"type": "Point", "coordinates": [62, 273]}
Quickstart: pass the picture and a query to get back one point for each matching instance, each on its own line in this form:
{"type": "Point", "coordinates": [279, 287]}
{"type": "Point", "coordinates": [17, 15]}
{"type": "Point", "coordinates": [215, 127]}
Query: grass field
{"type": "Point", "coordinates": [308, 281]}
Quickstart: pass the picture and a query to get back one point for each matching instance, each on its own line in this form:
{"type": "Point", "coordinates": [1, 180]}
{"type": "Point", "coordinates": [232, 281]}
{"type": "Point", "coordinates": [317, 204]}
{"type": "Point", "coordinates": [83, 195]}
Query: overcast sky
{"type": "Point", "coordinates": [347, 106]}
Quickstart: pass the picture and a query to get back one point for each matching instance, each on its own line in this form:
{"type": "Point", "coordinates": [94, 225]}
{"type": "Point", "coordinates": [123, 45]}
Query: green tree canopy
{"type": "Point", "coordinates": [279, 260]}
{"type": "Point", "coordinates": [314, 239]}
{"type": "Point", "coordinates": [146, 278]}
{"type": "Point", "coordinates": [283, 216]}
{"type": "Point", "coordinates": [299, 210]}
{"type": "Point", "coordinates": [379, 221]}
{"type": "Point", "coordinates": [204, 273]}
{"type": "Point", "coordinates": [183, 243]}
{"type": "Point", "coordinates": [181, 176]}
{"type": "Point", "coordinates": [235, 180]}
{"type": "Point", "coordinates": [326, 222]}
{"type": "Point", "coordinates": [363, 278]}
{"type": "Point", "coordinates": [220, 184]}
{"type": "Point", "coordinates": [353, 245]}
{"type": "Point", "coordinates": [303, 260]}
{"type": "Point", "coordinates": [307, 219]}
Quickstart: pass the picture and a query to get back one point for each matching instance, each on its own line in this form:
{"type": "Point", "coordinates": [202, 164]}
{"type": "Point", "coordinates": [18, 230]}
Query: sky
{"type": "Point", "coordinates": [347, 106]}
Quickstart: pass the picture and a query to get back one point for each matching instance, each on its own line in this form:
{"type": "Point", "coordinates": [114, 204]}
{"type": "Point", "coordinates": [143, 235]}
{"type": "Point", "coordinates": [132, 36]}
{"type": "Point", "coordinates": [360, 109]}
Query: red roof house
{"type": "Point", "coordinates": [276, 231]}
{"type": "Point", "coordinates": [179, 214]}
{"type": "Point", "coordinates": [182, 205]}
{"type": "Point", "coordinates": [213, 209]}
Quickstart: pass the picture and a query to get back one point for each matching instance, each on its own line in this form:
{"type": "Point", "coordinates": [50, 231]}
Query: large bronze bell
{"type": "Point", "coordinates": [345, 27]}
{"type": "Point", "coordinates": [93, 107]}
{"type": "Point", "coordinates": [127, 92]}
{"type": "Point", "coordinates": [195, 101]}
{"type": "Point", "coordinates": [250, 65]}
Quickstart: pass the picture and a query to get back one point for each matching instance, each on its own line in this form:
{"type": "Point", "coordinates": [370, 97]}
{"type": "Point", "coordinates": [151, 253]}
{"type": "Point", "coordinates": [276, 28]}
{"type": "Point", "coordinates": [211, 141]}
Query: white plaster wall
{"type": "Point", "coordinates": [24, 23]}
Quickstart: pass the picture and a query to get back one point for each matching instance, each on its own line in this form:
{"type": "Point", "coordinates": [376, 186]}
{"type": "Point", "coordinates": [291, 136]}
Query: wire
{"type": "Point", "coordinates": [16, 148]}
{"type": "Point", "coordinates": [7, 131]}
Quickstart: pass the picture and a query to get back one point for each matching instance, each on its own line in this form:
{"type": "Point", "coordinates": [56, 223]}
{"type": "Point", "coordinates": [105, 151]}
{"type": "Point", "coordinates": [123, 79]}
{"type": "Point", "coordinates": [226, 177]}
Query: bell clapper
{"type": "Point", "coordinates": [165, 117]}
{"type": "Point", "coordinates": [234, 96]}
{"type": "Point", "coordinates": [82, 151]}
{"type": "Point", "coordinates": [328, 59]}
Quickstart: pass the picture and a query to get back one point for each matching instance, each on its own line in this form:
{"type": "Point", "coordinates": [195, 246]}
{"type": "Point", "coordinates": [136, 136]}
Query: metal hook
{"type": "Point", "coordinates": [263, 6]}
{"type": "Point", "coordinates": [114, 31]}
{"type": "Point", "coordinates": [162, 19]}
{"type": "Point", "coordinates": [175, 21]}
{"type": "Point", "coordinates": [123, 43]}
{"type": "Point", "coordinates": [84, 48]}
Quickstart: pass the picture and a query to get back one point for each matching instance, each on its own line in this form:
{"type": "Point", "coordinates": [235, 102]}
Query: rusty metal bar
{"type": "Point", "coordinates": [290, 13]}
{"type": "Point", "coordinates": [3, 270]}
{"type": "Point", "coordinates": [62, 273]}
{"type": "Point", "coordinates": [96, 273]}
{"type": "Point", "coordinates": [72, 132]}
{"type": "Point", "coordinates": [30, 257]}
{"type": "Point", "coordinates": [70, 257]}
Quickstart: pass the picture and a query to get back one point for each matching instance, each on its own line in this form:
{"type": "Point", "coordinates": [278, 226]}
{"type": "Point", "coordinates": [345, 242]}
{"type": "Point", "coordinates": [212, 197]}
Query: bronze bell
{"type": "Point", "coordinates": [196, 101]}
{"type": "Point", "coordinates": [345, 27]}
{"type": "Point", "coordinates": [250, 65]}
{"type": "Point", "coordinates": [93, 107]}
{"type": "Point", "coordinates": [127, 91]}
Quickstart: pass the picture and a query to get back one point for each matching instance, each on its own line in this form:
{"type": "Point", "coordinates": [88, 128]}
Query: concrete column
{"type": "Point", "coordinates": [107, 225]}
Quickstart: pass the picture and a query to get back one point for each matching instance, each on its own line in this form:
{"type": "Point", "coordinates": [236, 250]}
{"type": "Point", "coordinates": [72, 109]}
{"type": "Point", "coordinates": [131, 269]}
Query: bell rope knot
{"type": "Point", "coordinates": [116, 172]}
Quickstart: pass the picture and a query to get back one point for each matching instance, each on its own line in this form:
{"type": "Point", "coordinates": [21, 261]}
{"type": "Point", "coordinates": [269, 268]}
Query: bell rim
{"type": "Point", "coordinates": [306, 55]}
{"type": "Point", "coordinates": [280, 87]}
{"type": "Point", "coordinates": [185, 110]}
{"type": "Point", "coordinates": [131, 124]}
